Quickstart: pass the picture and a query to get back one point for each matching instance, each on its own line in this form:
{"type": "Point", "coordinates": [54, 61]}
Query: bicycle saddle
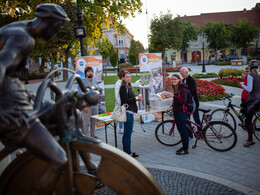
{"type": "Point", "coordinates": [204, 110]}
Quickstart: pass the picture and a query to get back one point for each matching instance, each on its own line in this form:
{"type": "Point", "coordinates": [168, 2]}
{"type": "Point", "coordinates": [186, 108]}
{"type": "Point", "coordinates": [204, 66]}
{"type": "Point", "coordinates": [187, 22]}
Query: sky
{"type": "Point", "coordinates": [139, 26]}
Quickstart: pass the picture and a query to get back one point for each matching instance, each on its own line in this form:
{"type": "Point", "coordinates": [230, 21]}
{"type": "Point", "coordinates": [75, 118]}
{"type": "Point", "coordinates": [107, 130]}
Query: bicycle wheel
{"type": "Point", "coordinates": [219, 136]}
{"type": "Point", "coordinates": [222, 115]}
{"type": "Point", "coordinates": [167, 134]}
{"type": "Point", "coordinates": [118, 171]}
{"type": "Point", "coordinates": [256, 128]}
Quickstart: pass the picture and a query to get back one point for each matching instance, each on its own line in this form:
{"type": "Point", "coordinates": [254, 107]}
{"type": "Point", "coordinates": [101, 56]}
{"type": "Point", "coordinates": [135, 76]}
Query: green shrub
{"type": "Point", "coordinates": [230, 72]}
{"type": "Point", "coordinates": [222, 63]}
{"type": "Point", "coordinates": [125, 65]}
{"type": "Point", "coordinates": [208, 75]}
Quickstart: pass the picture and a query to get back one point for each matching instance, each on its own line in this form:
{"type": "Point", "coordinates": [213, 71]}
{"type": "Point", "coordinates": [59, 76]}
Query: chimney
{"type": "Point", "coordinates": [244, 10]}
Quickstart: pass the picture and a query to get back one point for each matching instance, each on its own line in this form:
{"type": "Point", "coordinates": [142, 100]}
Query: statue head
{"type": "Point", "coordinates": [52, 18]}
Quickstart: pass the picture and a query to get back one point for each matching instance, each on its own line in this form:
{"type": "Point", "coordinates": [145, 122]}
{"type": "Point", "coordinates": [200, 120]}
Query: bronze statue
{"type": "Point", "coordinates": [16, 43]}
{"type": "Point", "coordinates": [40, 169]}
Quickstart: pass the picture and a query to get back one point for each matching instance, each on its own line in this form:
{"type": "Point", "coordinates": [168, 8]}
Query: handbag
{"type": "Point", "coordinates": [119, 112]}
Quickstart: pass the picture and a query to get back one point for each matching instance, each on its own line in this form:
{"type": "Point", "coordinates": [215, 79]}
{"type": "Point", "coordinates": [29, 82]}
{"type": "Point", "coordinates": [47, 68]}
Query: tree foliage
{"type": "Point", "coordinates": [104, 47]}
{"type": "Point", "coordinates": [166, 32]}
{"type": "Point", "coordinates": [243, 34]}
{"type": "Point", "coordinates": [113, 57]}
{"type": "Point", "coordinates": [96, 16]}
{"type": "Point", "coordinates": [218, 35]}
{"type": "Point", "coordinates": [190, 33]}
{"type": "Point", "coordinates": [136, 47]}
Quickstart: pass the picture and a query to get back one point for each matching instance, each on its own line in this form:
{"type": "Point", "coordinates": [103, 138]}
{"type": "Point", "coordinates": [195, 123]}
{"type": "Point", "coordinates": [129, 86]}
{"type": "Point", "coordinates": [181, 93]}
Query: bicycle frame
{"type": "Point", "coordinates": [198, 134]}
{"type": "Point", "coordinates": [232, 107]}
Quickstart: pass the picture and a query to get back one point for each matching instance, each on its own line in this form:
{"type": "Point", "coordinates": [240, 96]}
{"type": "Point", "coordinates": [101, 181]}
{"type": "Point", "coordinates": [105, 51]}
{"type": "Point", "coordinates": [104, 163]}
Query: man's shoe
{"type": "Point", "coordinates": [181, 151]}
{"type": "Point", "coordinates": [121, 131]}
{"type": "Point", "coordinates": [249, 143]}
{"type": "Point", "coordinates": [95, 137]}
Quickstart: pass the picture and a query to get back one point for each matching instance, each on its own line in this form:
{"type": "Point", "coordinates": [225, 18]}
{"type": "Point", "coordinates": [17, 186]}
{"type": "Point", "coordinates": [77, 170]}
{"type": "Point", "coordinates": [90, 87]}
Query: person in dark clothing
{"type": "Point", "coordinates": [192, 86]}
{"type": "Point", "coordinates": [128, 97]}
{"type": "Point", "coordinates": [252, 105]}
{"type": "Point", "coordinates": [179, 100]}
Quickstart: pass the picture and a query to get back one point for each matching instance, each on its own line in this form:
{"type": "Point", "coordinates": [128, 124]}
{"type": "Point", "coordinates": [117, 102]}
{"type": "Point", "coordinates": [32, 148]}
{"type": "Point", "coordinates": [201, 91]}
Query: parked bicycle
{"type": "Point", "coordinates": [218, 135]}
{"type": "Point", "coordinates": [116, 170]}
{"type": "Point", "coordinates": [224, 114]}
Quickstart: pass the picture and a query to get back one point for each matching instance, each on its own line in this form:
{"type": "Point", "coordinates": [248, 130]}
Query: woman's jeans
{"type": "Point", "coordinates": [120, 124]}
{"type": "Point", "coordinates": [180, 119]}
{"type": "Point", "coordinates": [128, 129]}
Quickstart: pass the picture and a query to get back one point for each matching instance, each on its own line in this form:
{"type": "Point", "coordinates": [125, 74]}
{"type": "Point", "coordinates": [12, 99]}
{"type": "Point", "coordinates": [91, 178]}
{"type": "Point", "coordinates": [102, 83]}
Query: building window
{"type": "Point", "coordinates": [120, 40]}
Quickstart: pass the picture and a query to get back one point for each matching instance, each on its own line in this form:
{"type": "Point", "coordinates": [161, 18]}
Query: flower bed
{"type": "Point", "coordinates": [209, 91]}
{"type": "Point", "coordinates": [230, 72]}
{"type": "Point", "coordinates": [233, 81]}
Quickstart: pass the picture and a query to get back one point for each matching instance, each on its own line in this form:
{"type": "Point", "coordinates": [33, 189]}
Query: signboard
{"type": "Point", "coordinates": [151, 71]}
{"type": "Point", "coordinates": [96, 63]}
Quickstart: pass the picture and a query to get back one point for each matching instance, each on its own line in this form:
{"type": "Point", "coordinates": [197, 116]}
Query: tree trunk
{"type": "Point", "coordinates": [41, 69]}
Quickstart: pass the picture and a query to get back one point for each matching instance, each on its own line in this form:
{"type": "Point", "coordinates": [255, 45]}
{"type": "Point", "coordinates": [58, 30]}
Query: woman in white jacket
{"type": "Point", "coordinates": [117, 87]}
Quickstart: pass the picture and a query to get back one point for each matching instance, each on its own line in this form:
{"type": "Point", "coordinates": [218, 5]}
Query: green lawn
{"type": "Point", "coordinates": [110, 98]}
{"type": "Point", "coordinates": [109, 80]}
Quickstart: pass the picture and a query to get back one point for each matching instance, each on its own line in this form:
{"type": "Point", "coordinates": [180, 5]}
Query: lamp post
{"type": "Point", "coordinates": [80, 30]}
{"type": "Point", "coordinates": [203, 41]}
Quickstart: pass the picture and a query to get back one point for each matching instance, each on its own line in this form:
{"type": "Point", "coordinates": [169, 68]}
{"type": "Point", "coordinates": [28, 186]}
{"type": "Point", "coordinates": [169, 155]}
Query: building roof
{"type": "Point", "coordinates": [253, 16]}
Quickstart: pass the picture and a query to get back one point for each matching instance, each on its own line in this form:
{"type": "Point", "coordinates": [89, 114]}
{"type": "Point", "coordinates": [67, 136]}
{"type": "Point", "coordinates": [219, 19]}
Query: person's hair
{"type": "Point", "coordinates": [175, 89]}
{"type": "Point", "coordinates": [185, 69]}
{"type": "Point", "coordinates": [87, 69]}
{"type": "Point", "coordinates": [255, 71]}
{"type": "Point", "coordinates": [120, 74]}
{"type": "Point", "coordinates": [123, 82]}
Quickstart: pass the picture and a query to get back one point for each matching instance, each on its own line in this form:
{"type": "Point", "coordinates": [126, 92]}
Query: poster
{"type": "Point", "coordinates": [151, 71]}
{"type": "Point", "coordinates": [96, 63]}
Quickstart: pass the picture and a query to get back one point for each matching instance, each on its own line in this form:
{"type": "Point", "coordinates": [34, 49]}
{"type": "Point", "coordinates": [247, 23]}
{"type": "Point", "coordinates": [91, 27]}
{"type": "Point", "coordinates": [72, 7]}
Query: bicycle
{"type": "Point", "coordinates": [117, 170]}
{"type": "Point", "coordinates": [229, 118]}
{"type": "Point", "coordinates": [218, 135]}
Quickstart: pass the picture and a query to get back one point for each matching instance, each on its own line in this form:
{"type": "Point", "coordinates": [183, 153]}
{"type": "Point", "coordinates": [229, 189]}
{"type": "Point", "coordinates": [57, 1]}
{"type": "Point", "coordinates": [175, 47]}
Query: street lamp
{"type": "Point", "coordinates": [203, 41]}
{"type": "Point", "coordinates": [80, 30]}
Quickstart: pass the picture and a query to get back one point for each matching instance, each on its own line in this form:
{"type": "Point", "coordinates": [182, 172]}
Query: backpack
{"type": "Point", "coordinates": [190, 105]}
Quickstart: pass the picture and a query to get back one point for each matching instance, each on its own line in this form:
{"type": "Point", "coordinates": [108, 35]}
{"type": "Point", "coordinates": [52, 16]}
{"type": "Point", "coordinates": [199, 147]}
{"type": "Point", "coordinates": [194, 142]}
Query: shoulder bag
{"type": "Point", "coordinates": [119, 112]}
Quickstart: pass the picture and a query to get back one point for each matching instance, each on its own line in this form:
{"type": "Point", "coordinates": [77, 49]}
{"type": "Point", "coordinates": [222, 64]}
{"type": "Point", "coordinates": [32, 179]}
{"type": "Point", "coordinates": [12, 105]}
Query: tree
{"type": "Point", "coordinates": [136, 47]}
{"type": "Point", "coordinates": [243, 34]}
{"type": "Point", "coordinates": [113, 57]}
{"type": "Point", "coordinates": [105, 48]}
{"type": "Point", "coordinates": [166, 32]}
{"type": "Point", "coordinates": [218, 35]}
{"type": "Point", "coordinates": [190, 33]}
{"type": "Point", "coordinates": [96, 16]}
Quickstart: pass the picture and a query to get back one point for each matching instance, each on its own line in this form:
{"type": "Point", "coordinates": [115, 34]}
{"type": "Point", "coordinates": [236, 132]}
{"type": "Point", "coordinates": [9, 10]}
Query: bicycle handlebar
{"type": "Point", "coordinates": [227, 97]}
{"type": "Point", "coordinates": [90, 95]}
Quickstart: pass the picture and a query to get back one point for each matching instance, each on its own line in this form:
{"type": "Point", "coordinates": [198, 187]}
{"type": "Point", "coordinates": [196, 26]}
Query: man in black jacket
{"type": "Point", "coordinates": [192, 86]}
